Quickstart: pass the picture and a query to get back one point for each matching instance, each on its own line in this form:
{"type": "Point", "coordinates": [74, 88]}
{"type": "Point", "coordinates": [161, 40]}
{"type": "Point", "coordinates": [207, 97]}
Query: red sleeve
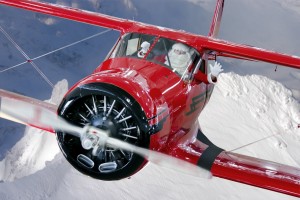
{"type": "Point", "coordinates": [201, 77]}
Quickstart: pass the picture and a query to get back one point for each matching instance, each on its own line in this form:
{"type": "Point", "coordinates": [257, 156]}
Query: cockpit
{"type": "Point", "coordinates": [178, 57]}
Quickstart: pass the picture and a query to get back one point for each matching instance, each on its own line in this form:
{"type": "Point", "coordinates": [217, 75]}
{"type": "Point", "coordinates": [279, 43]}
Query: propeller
{"type": "Point", "coordinates": [37, 115]}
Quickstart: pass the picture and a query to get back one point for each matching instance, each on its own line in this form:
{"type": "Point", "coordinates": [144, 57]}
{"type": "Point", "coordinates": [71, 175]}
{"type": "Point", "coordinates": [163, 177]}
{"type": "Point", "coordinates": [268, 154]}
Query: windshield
{"type": "Point", "coordinates": [178, 57]}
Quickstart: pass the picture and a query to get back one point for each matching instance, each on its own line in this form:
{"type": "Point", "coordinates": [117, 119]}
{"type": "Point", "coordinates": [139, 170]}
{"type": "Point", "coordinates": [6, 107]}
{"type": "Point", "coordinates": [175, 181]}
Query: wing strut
{"type": "Point", "coordinates": [216, 22]}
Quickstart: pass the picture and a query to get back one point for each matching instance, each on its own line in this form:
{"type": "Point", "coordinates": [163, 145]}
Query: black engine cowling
{"type": "Point", "coordinates": [108, 108]}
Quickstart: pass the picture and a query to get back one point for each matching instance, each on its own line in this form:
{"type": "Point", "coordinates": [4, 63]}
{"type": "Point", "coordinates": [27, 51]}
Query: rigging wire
{"type": "Point", "coordinates": [254, 142]}
{"type": "Point", "coordinates": [29, 60]}
{"type": "Point", "coordinates": [7, 69]}
{"type": "Point", "coordinates": [27, 57]}
{"type": "Point", "coordinates": [82, 40]}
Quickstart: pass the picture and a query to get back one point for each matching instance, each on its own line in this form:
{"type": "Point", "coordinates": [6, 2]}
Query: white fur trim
{"type": "Point", "coordinates": [209, 79]}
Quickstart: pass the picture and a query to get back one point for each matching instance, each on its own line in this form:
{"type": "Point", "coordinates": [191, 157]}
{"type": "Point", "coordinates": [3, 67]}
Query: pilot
{"type": "Point", "coordinates": [180, 58]}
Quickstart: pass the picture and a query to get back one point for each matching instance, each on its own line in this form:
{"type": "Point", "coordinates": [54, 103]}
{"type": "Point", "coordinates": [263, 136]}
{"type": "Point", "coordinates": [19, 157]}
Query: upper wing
{"type": "Point", "coordinates": [221, 47]}
{"type": "Point", "coordinates": [71, 13]}
{"type": "Point", "coordinates": [229, 49]}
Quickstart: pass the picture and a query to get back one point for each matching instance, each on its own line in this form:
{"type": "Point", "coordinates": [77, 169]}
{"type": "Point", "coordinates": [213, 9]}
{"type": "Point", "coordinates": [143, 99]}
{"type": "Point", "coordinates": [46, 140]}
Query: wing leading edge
{"type": "Point", "coordinates": [229, 49]}
{"type": "Point", "coordinates": [71, 14]}
{"type": "Point", "coordinates": [257, 172]}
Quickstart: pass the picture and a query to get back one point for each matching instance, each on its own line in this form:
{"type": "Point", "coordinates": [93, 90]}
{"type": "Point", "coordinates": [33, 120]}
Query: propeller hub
{"type": "Point", "coordinates": [107, 124]}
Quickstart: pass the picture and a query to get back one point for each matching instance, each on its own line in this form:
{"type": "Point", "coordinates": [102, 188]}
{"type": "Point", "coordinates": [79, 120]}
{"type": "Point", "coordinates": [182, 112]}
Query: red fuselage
{"type": "Point", "coordinates": [162, 94]}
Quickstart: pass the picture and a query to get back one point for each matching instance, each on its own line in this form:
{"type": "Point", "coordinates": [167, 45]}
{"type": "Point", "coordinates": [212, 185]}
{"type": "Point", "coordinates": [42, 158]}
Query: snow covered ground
{"type": "Point", "coordinates": [243, 109]}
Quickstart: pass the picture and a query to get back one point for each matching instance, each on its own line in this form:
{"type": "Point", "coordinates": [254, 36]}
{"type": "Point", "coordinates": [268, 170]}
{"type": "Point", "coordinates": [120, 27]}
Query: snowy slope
{"type": "Point", "coordinates": [255, 106]}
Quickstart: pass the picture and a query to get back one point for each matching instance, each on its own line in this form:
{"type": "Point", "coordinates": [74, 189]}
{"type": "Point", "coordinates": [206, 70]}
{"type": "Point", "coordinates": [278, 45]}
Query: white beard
{"type": "Point", "coordinates": [178, 62]}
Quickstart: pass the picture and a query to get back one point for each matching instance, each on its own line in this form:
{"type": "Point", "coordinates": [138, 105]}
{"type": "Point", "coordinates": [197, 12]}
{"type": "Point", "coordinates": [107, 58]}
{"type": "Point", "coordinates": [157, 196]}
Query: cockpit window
{"type": "Point", "coordinates": [175, 55]}
{"type": "Point", "coordinates": [134, 44]}
{"type": "Point", "coordinates": [178, 57]}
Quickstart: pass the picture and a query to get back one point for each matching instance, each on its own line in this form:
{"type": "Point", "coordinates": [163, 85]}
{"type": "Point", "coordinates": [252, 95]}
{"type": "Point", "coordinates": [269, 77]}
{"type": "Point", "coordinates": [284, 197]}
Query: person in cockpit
{"type": "Point", "coordinates": [180, 58]}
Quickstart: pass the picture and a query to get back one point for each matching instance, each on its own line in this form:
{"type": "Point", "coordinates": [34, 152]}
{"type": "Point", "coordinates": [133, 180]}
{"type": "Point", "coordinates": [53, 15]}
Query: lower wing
{"type": "Point", "coordinates": [8, 99]}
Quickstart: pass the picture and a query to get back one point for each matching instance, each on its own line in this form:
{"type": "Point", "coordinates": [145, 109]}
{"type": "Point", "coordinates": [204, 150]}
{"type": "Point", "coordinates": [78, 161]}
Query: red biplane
{"type": "Point", "coordinates": [136, 106]}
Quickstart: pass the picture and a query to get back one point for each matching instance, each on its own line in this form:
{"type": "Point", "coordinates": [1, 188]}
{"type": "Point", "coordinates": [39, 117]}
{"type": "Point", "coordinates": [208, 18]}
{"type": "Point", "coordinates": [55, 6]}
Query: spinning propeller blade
{"type": "Point", "coordinates": [36, 115]}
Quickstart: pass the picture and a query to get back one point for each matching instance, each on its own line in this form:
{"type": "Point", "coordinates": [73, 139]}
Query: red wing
{"type": "Point", "coordinates": [244, 169]}
{"type": "Point", "coordinates": [233, 50]}
{"type": "Point", "coordinates": [228, 49]}
{"type": "Point", "coordinates": [221, 47]}
{"type": "Point", "coordinates": [71, 13]}
{"type": "Point", "coordinates": [260, 173]}
{"type": "Point", "coordinates": [8, 101]}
